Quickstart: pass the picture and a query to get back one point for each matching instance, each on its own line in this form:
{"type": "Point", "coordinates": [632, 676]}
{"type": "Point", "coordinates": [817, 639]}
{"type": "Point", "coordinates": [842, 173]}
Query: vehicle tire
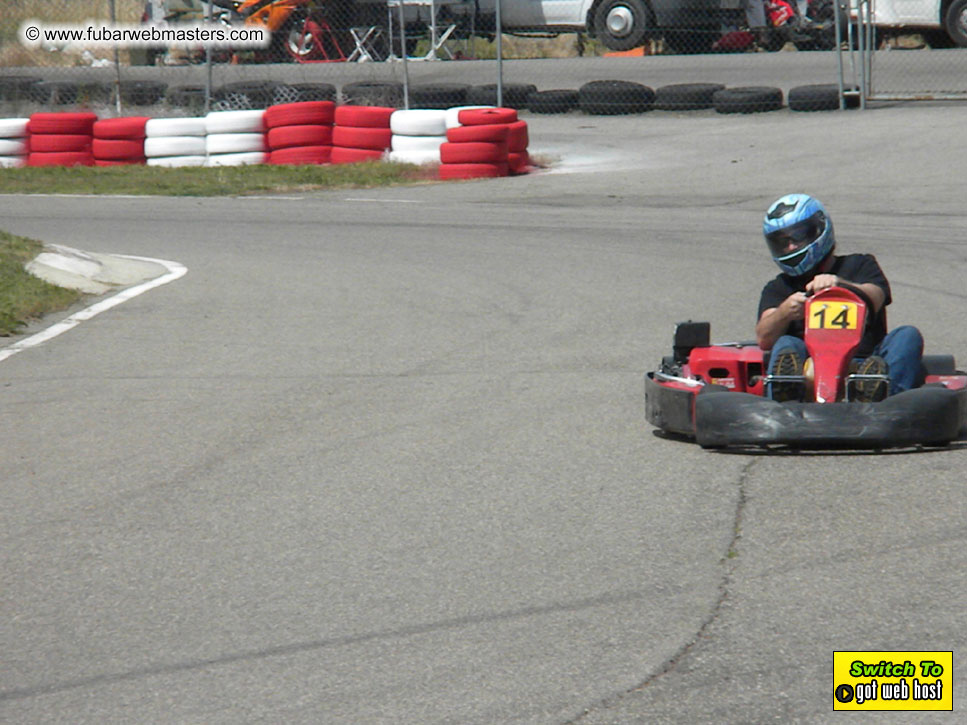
{"type": "Point", "coordinates": [243, 158]}
{"type": "Point", "coordinates": [57, 142]}
{"type": "Point", "coordinates": [373, 93]}
{"type": "Point", "coordinates": [177, 161]}
{"type": "Point", "coordinates": [246, 95]}
{"type": "Point", "coordinates": [316, 113]}
{"type": "Point", "coordinates": [622, 24]}
{"type": "Point", "coordinates": [439, 95]}
{"type": "Point", "coordinates": [747, 99]}
{"type": "Point", "coordinates": [363, 116]}
{"type": "Point", "coordinates": [553, 101]}
{"type": "Point", "coordinates": [13, 127]}
{"type": "Point", "coordinates": [60, 158]}
{"type": "Point", "coordinates": [234, 143]}
{"type": "Point", "coordinates": [283, 137]}
{"type": "Point", "coordinates": [514, 94]}
{"type": "Point", "coordinates": [174, 146]}
{"type": "Point", "coordinates": [486, 116]}
{"type": "Point", "coordinates": [235, 122]}
{"type": "Point", "coordinates": [72, 123]}
{"type": "Point", "coordinates": [358, 137]}
{"type": "Point", "coordinates": [343, 155]}
{"type": "Point", "coordinates": [819, 97]}
{"type": "Point", "coordinates": [473, 152]}
{"type": "Point", "coordinates": [612, 98]}
{"type": "Point", "coordinates": [686, 96]}
{"type": "Point", "coordinates": [126, 127]}
{"type": "Point", "coordinates": [955, 22]}
{"type": "Point", "coordinates": [492, 133]}
{"type": "Point", "coordinates": [298, 40]}
{"type": "Point", "coordinates": [472, 171]}
{"type": "Point", "coordinates": [163, 127]}
{"type": "Point", "coordinates": [13, 162]}
{"type": "Point", "coordinates": [301, 156]}
{"type": "Point", "coordinates": [419, 122]}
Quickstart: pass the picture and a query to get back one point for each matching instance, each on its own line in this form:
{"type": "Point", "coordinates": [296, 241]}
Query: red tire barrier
{"type": "Point", "coordinates": [486, 116]}
{"type": "Point", "coordinates": [363, 116]}
{"type": "Point", "coordinates": [518, 162]}
{"type": "Point", "coordinates": [343, 155]}
{"type": "Point", "coordinates": [62, 158]}
{"type": "Point", "coordinates": [69, 123]}
{"type": "Point", "coordinates": [300, 114]}
{"type": "Point", "coordinates": [494, 133]}
{"type": "Point", "coordinates": [128, 127]}
{"type": "Point", "coordinates": [118, 162]}
{"type": "Point", "coordinates": [57, 142]}
{"type": "Point", "coordinates": [301, 155]}
{"type": "Point", "coordinates": [472, 171]}
{"type": "Point", "coordinates": [117, 149]}
{"type": "Point", "coordinates": [517, 137]}
{"type": "Point", "coordinates": [282, 137]}
{"type": "Point", "coordinates": [356, 137]}
{"type": "Point", "coordinates": [473, 152]}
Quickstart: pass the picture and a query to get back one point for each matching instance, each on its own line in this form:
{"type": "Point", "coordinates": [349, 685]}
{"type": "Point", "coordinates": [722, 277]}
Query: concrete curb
{"type": "Point", "coordinates": [88, 272]}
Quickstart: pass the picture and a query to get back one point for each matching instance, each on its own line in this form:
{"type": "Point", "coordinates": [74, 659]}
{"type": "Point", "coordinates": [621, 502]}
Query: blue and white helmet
{"type": "Point", "coordinates": [799, 233]}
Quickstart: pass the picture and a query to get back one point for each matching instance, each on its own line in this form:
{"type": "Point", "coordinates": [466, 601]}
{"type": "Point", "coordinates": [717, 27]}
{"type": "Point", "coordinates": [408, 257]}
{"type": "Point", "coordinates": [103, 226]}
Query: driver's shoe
{"type": "Point", "coordinates": [787, 363]}
{"type": "Point", "coordinates": [872, 391]}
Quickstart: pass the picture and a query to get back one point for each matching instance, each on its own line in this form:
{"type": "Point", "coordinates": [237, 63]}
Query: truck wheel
{"type": "Point", "coordinates": [621, 24]}
{"type": "Point", "coordinates": [956, 22]}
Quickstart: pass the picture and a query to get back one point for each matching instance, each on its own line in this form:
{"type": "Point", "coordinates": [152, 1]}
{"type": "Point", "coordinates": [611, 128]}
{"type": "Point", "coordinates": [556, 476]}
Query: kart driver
{"type": "Point", "coordinates": [800, 237]}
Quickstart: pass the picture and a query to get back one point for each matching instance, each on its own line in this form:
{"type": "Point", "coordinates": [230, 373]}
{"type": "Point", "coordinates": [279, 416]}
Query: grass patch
{"type": "Point", "coordinates": [24, 297]}
{"type": "Point", "coordinates": [208, 181]}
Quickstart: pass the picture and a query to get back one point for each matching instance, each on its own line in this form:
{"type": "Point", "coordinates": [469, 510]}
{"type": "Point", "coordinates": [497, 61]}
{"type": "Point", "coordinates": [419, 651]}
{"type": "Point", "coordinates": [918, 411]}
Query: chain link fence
{"type": "Point", "coordinates": [612, 56]}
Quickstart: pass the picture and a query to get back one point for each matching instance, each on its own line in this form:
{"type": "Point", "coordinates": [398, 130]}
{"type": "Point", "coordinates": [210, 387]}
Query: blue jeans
{"type": "Point", "coordinates": [901, 349]}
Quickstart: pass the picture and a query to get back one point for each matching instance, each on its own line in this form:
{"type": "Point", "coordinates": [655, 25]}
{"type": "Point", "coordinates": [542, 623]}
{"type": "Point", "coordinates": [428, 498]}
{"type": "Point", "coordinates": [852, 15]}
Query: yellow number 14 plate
{"type": "Point", "coordinates": [833, 316]}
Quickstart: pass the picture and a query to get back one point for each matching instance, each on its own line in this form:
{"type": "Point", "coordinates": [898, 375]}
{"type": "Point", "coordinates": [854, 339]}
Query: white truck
{"type": "Point", "coordinates": [941, 17]}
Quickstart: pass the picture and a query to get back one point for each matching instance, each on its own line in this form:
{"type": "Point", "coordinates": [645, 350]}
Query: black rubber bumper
{"type": "Point", "coordinates": [925, 416]}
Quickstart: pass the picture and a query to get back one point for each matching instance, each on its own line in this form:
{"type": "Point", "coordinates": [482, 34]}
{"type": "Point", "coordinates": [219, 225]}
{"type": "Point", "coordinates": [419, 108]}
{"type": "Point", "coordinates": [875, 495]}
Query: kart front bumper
{"type": "Point", "coordinates": [716, 417]}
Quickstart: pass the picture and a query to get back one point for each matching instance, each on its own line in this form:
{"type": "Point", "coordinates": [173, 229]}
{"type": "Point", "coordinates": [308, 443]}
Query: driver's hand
{"type": "Point", "coordinates": [821, 282]}
{"type": "Point", "coordinates": [794, 306]}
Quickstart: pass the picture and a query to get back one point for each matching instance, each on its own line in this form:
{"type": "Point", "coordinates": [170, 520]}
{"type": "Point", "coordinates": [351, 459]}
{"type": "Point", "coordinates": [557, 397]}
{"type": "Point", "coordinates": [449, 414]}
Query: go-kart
{"type": "Point", "coordinates": [717, 394]}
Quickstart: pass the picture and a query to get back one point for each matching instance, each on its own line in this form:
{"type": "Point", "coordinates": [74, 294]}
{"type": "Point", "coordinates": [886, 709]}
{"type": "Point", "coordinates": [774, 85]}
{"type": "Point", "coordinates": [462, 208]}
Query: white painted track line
{"type": "Point", "coordinates": [175, 271]}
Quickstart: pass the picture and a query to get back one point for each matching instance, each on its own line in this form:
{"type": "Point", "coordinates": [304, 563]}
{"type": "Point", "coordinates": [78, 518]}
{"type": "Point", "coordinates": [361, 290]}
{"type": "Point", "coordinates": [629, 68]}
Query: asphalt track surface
{"type": "Point", "coordinates": [381, 456]}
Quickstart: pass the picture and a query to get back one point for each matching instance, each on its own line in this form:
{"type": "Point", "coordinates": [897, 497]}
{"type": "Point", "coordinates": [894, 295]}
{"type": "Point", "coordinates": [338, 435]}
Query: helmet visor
{"type": "Point", "coordinates": [786, 242]}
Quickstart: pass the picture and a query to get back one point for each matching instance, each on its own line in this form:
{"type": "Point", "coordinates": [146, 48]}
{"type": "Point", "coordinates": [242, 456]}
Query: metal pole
{"type": "Point", "coordinates": [500, 57]}
{"type": "Point", "coordinates": [837, 27]}
{"type": "Point", "coordinates": [861, 8]}
{"type": "Point", "coordinates": [208, 65]}
{"type": "Point", "coordinates": [117, 65]}
{"type": "Point", "coordinates": [406, 71]}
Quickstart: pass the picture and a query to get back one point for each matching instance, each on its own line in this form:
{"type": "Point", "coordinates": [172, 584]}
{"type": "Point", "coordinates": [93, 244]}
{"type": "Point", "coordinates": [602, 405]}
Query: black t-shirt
{"type": "Point", "coordinates": [855, 268]}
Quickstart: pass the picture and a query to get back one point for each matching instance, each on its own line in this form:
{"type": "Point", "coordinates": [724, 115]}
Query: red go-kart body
{"type": "Point", "coordinates": [716, 393]}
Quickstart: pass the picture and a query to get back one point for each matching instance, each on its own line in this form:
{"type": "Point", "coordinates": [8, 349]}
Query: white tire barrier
{"type": "Point", "coordinates": [234, 143]}
{"type": "Point", "coordinates": [13, 162]}
{"type": "Point", "coordinates": [158, 146]}
{"type": "Point", "coordinates": [177, 161]}
{"type": "Point", "coordinates": [419, 122]}
{"type": "Point", "coordinates": [415, 157]}
{"type": "Point", "coordinates": [417, 144]}
{"type": "Point", "coordinates": [13, 146]}
{"type": "Point", "coordinates": [241, 159]}
{"type": "Point", "coordinates": [175, 127]}
{"type": "Point", "coordinates": [235, 122]}
{"type": "Point", "coordinates": [13, 127]}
